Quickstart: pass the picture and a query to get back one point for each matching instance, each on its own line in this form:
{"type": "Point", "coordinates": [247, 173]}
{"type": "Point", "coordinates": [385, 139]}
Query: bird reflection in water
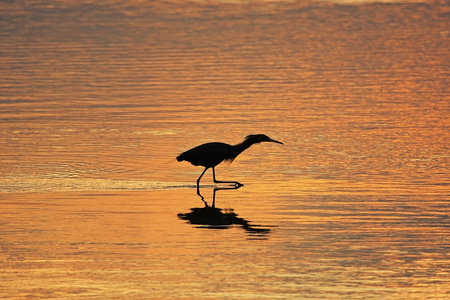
{"type": "Point", "coordinates": [218, 218]}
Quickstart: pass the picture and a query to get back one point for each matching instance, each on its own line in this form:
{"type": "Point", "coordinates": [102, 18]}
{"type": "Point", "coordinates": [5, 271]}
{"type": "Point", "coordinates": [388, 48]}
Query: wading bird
{"type": "Point", "coordinates": [210, 155]}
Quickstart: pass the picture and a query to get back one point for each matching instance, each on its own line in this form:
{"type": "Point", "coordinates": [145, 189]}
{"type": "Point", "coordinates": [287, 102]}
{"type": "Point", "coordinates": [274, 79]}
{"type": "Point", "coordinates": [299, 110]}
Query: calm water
{"type": "Point", "coordinates": [96, 101]}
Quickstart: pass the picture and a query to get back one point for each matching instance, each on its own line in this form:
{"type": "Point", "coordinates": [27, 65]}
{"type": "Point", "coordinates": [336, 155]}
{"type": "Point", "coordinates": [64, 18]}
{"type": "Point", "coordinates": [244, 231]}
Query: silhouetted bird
{"type": "Point", "coordinates": [210, 155]}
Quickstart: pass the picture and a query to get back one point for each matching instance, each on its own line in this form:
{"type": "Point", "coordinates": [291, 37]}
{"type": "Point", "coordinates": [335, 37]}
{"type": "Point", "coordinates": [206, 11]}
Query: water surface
{"type": "Point", "coordinates": [98, 99]}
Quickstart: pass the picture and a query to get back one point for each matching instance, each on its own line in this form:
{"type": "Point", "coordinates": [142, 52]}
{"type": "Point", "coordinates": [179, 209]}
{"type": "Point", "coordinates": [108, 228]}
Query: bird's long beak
{"type": "Point", "coordinates": [274, 141]}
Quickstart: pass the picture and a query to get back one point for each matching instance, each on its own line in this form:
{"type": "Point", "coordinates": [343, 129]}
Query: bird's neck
{"type": "Point", "coordinates": [239, 148]}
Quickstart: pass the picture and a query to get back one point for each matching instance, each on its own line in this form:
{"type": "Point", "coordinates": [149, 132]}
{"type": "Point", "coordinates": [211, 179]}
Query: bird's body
{"type": "Point", "coordinates": [210, 155]}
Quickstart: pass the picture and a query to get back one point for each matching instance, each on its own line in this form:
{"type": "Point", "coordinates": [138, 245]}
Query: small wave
{"type": "Point", "coordinates": [25, 185]}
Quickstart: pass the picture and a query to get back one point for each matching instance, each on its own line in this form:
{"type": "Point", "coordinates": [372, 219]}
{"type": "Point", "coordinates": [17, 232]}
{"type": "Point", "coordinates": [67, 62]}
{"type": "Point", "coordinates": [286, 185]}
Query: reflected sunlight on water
{"type": "Point", "coordinates": [97, 100]}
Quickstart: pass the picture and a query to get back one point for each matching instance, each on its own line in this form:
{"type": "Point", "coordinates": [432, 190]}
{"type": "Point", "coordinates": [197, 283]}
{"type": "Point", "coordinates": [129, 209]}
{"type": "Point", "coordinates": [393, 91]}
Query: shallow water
{"type": "Point", "coordinates": [98, 99]}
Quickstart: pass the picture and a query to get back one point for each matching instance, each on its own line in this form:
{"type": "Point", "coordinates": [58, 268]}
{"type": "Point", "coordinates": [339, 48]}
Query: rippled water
{"type": "Point", "coordinates": [97, 100]}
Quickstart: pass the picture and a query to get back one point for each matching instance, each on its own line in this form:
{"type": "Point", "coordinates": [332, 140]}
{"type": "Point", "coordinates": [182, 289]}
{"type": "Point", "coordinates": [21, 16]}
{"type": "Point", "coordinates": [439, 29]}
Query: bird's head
{"type": "Point", "coordinates": [258, 138]}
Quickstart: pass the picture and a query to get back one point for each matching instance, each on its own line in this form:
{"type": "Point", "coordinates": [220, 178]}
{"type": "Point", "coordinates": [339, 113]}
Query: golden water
{"type": "Point", "coordinates": [98, 99]}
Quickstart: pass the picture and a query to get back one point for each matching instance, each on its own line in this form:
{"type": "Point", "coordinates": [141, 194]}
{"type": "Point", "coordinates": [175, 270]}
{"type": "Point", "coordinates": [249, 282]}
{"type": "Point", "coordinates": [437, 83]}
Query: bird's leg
{"type": "Point", "coordinates": [198, 185]}
{"type": "Point", "coordinates": [236, 184]}
{"type": "Point", "coordinates": [198, 180]}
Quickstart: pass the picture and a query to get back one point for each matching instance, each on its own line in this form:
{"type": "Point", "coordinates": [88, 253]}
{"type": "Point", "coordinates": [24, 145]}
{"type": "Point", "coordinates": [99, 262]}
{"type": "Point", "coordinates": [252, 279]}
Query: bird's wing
{"type": "Point", "coordinates": [207, 155]}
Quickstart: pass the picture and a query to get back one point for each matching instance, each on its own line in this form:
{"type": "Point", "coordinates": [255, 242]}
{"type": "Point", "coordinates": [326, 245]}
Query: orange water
{"type": "Point", "coordinates": [98, 99]}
